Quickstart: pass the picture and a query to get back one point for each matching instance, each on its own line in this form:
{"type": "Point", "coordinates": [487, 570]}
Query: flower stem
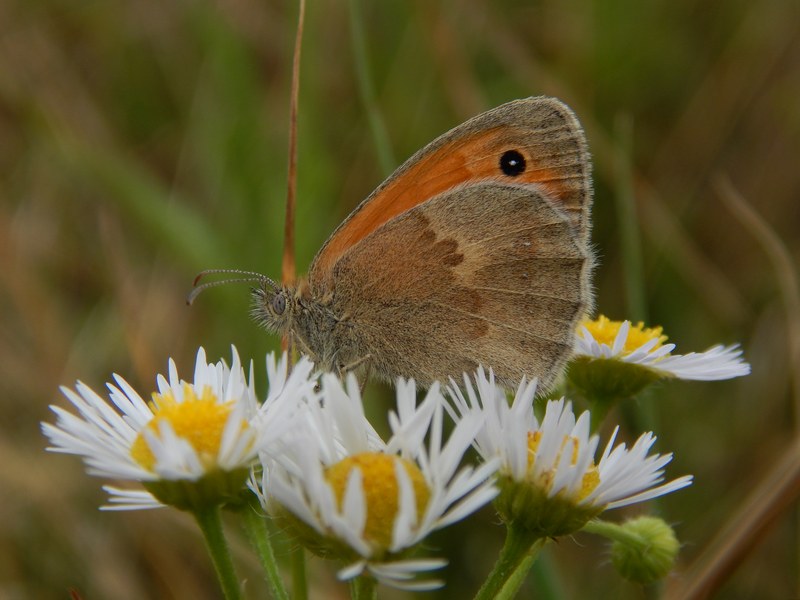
{"type": "Point", "coordinates": [363, 587]}
{"type": "Point", "coordinates": [211, 525]}
{"type": "Point", "coordinates": [299, 582]}
{"type": "Point", "coordinates": [516, 558]}
{"type": "Point", "coordinates": [612, 531]}
{"type": "Point", "coordinates": [256, 528]}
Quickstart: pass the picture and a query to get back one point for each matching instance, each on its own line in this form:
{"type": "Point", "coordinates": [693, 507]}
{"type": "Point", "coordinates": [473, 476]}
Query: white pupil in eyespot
{"type": "Point", "coordinates": [512, 163]}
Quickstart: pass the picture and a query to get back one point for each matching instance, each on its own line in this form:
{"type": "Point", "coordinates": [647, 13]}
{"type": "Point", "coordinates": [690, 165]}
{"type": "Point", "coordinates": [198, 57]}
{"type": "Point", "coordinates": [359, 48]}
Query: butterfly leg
{"type": "Point", "coordinates": [344, 369]}
{"type": "Point", "coordinates": [297, 341]}
{"type": "Point", "coordinates": [366, 378]}
{"type": "Point", "coordinates": [355, 364]}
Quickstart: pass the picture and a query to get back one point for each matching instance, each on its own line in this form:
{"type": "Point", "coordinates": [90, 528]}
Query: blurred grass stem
{"type": "Point", "coordinates": [546, 578]}
{"type": "Point", "coordinates": [785, 273]}
{"type": "Point", "coordinates": [630, 239]}
{"type": "Point", "coordinates": [642, 415]}
{"type": "Point", "coordinates": [768, 502]}
{"type": "Point", "coordinates": [366, 89]}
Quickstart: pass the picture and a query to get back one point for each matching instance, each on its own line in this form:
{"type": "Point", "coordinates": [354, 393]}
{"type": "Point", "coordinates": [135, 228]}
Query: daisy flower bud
{"type": "Point", "coordinates": [644, 549]}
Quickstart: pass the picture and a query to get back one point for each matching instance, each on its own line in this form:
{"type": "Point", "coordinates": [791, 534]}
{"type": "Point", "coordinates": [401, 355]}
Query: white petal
{"type": "Point", "coordinates": [124, 499]}
{"type": "Point", "coordinates": [351, 571]}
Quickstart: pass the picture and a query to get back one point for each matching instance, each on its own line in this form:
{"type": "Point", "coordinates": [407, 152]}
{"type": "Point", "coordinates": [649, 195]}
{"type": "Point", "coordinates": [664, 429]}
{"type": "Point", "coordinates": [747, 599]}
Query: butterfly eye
{"type": "Point", "coordinates": [512, 163]}
{"type": "Point", "coordinates": [279, 304]}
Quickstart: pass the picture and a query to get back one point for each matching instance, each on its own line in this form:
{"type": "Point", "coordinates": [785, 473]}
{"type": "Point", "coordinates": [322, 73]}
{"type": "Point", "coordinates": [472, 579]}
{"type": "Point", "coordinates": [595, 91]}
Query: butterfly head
{"type": "Point", "coordinates": [274, 306]}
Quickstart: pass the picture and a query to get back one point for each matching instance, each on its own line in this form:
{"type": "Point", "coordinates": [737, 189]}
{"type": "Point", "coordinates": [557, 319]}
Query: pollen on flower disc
{"type": "Point", "coordinates": [590, 479]}
{"type": "Point", "coordinates": [605, 331]}
{"type": "Point", "coordinates": [380, 490]}
{"type": "Point", "coordinates": [199, 420]}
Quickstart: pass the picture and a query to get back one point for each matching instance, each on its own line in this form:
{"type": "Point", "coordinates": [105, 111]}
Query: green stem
{"type": "Point", "coordinates": [613, 532]}
{"type": "Point", "coordinates": [211, 525]}
{"type": "Point", "coordinates": [299, 581]}
{"type": "Point", "coordinates": [363, 587]}
{"type": "Point", "coordinates": [255, 526]}
{"type": "Point", "coordinates": [518, 554]}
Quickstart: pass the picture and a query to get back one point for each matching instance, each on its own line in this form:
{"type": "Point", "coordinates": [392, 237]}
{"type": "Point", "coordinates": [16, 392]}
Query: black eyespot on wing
{"type": "Point", "coordinates": [279, 303]}
{"type": "Point", "coordinates": [512, 163]}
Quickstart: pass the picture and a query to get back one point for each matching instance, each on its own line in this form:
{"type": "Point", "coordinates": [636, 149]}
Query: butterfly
{"type": "Point", "coordinates": [475, 251]}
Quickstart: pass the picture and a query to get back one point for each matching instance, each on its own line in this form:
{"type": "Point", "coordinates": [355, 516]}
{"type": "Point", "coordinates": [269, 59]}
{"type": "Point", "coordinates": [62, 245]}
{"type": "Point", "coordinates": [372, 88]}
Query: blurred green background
{"type": "Point", "coordinates": [141, 142]}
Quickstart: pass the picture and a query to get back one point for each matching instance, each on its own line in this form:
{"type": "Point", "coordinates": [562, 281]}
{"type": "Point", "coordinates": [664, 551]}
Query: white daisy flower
{"type": "Point", "coordinates": [550, 483]}
{"type": "Point", "coordinates": [636, 344]}
{"type": "Point", "coordinates": [192, 444]}
{"type": "Point", "coordinates": [347, 494]}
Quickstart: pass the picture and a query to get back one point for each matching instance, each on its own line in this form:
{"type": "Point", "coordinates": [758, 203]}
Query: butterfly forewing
{"type": "Point", "coordinates": [543, 130]}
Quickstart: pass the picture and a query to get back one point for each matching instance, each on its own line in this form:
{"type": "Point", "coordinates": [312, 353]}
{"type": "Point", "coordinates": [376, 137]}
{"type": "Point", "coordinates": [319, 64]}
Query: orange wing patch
{"type": "Point", "coordinates": [554, 165]}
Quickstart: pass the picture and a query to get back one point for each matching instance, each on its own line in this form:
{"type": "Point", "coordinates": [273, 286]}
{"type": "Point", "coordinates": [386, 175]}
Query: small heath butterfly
{"type": "Point", "coordinates": [473, 252]}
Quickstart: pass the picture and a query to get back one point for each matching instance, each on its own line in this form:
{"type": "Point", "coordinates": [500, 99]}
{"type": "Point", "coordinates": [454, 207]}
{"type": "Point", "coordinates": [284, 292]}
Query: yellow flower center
{"type": "Point", "coordinates": [591, 479]}
{"type": "Point", "coordinates": [199, 420]}
{"type": "Point", "coordinates": [605, 331]}
{"type": "Point", "coordinates": [380, 491]}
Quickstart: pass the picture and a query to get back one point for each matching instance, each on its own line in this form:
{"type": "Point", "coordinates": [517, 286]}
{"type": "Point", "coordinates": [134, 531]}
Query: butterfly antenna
{"type": "Point", "coordinates": [249, 277]}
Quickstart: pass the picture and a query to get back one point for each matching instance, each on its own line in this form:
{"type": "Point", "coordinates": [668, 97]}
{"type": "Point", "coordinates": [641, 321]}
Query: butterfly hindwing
{"type": "Point", "coordinates": [489, 274]}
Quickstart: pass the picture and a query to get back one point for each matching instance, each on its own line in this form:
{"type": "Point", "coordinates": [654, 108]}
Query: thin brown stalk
{"type": "Point", "coordinates": [288, 264]}
{"type": "Point", "coordinates": [288, 270]}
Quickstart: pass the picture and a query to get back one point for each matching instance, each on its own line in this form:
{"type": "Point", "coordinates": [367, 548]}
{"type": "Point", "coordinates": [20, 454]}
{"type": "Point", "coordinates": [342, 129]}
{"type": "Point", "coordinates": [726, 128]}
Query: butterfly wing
{"type": "Point", "coordinates": [475, 251]}
{"type": "Point", "coordinates": [490, 274]}
{"type": "Point", "coordinates": [543, 130]}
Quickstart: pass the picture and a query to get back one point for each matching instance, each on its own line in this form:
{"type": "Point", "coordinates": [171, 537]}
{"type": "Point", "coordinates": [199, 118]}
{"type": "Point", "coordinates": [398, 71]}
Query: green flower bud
{"type": "Point", "coordinates": [646, 551]}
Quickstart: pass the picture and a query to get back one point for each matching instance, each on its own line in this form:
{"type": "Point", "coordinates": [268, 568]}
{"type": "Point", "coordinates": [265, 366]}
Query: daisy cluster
{"type": "Point", "coordinates": [307, 451]}
{"type": "Point", "coordinates": [310, 456]}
